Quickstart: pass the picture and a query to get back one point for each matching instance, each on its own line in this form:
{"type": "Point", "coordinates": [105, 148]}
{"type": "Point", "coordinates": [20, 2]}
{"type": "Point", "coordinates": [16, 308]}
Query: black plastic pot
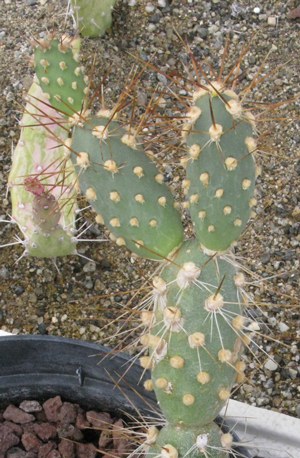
{"type": "Point", "coordinates": [40, 367]}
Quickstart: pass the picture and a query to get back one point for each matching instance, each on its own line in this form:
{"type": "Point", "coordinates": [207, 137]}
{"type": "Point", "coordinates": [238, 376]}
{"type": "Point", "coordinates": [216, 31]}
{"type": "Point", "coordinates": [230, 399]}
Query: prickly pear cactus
{"type": "Point", "coordinates": [220, 169]}
{"type": "Point", "coordinates": [56, 63]}
{"type": "Point", "coordinates": [125, 188]}
{"type": "Point", "coordinates": [42, 182]}
{"type": "Point", "coordinates": [195, 343]}
{"type": "Point", "coordinates": [92, 17]}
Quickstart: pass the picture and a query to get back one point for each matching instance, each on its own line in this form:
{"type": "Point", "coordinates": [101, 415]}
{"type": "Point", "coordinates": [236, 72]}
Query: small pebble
{"type": "Point", "coordinates": [151, 28]}
{"type": "Point", "coordinates": [262, 17]}
{"type": "Point", "coordinates": [272, 21]}
{"type": "Point", "coordinates": [278, 82]}
{"type": "Point", "coordinates": [293, 373]}
{"type": "Point", "coordinates": [213, 29]}
{"type": "Point", "coordinates": [155, 18]}
{"type": "Point", "coordinates": [42, 328]}
{"type": "Point", "coordinates": [90, 266]}
{"type": "Point", "coordinates": [10, 97]}
{"type": "Point", "coordinates": [283, 327]}
{"type": "Point", "coordinates": [265, 258]}
{"type": "Point", "coordinates": [202, 32]}
{"type": "Point", "coordinates": [149, 8]}
{"type": "Point", "coordinates": [64, 318]}
{"type": "Point", "coordinates": [271, 365]}
{"type": "Point", "coordinates": [162, 78]}
{"type": "Point", "coordinates": [252, 59]}
{"type": "Point", "coordinates": [18, 290]}
{"type": "Point", "coordinates": [3, 272]}
{"type": "Point", "coordinates": [248, 388]}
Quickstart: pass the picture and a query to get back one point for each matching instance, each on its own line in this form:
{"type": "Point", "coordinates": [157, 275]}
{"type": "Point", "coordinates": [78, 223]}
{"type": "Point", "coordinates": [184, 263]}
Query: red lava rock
{"type": "Point", "coordinates": [51, 408]}
{"type": "Point", "coordinates": [17, 415]}
{"type": "Point", "coordinates": [51, 432]}
{"type": "Point", "coordinates": [15, 452]}
{"type": "Point", "coordinates": [85, 451]}
{"type": "Point", "coordinates": [66, 448]}
{"type": "Point", "coordinates": [45, 449]}
{"type": "Point", "coordinates": [81, 421]}
{"type": "Point", "coordinates": [45, 431]}
{"type": "Point", "coordinates": [123, 448]}
{"type": "Point", "coordinates": [70, 432]}
{"type": "Point", "coordinates": [28, 427]}
{"type": "Point", "coordinates": [30, 406]}
{"type": "Point", "coordinates": [30, 442]}
{"type": "Point", "coordinates": [7, 438]}
{"type": "Point", "coordinates": [54, 454]}
{"type": "Point", "coordinates": [17, 429]}
{"type": "Point", "coordinates": [40, 416]}
{"type": "Point", "coordinates": [67, 413]}
{"type": "Point", "coordinates": [100, 420]}
{"type": "Point", "coordinates": [120, 442]}
{"type": "Point", "coordinates": [104, 439]}
{"type": "Point", "coordinates": [31, 455]}
{"type": "Point", "coordinates": [111, 454]}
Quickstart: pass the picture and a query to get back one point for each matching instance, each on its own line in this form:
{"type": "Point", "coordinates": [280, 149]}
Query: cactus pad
{"type": "Point", "coordinates": [125, 188]}
{"type": "Point", "coordinates": [92, 18]}
{"type": "Point", "coordinates": [59, 73]}
{"type": "Point", "coordinates": [196, 442]}
{"type": "Point", "coordinates": [221, 169]}
{"type": "Point", "coordinates": [41, 182]}
{"type": "Point", "coordinates": [195, 343]}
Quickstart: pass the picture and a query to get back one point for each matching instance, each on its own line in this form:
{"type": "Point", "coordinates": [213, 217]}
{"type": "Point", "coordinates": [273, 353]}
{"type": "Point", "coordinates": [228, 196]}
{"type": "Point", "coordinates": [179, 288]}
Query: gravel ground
{"type": "Point", "coordinates": [84, 296]}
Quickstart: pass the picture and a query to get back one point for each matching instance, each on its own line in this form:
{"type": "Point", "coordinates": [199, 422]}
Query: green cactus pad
{"type": "Point", "coordinates": [41, 182]}
{"type": "Point", "coordinates": [92, 18]}
{"type": "Point", "coordinates": [195, 342]}
{"type": "Point", "coordinates": [196, 442]}
{"type": "Point", "coordinates": [59, 73]}
{"type": "Point", "coordinates": [221, 168]}
{"type": "Point", "coordinates": [123, 185]}
{"type": "Point", "coordinates": [58, 242]}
